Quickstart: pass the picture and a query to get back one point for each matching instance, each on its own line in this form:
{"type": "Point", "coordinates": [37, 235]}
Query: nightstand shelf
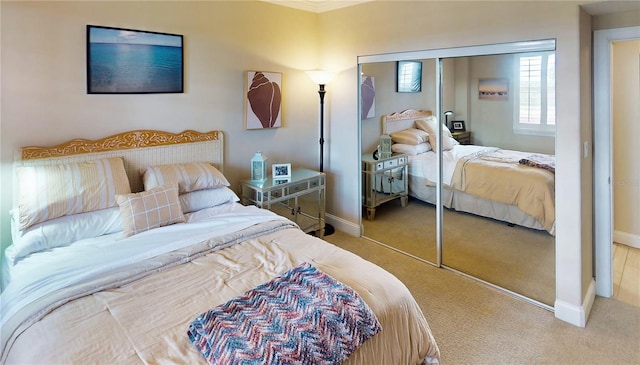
{"type": "Point", "coordinates": [300, 198]}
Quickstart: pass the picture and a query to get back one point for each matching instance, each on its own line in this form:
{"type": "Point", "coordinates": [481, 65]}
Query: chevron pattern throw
{"type": "Point", "coordinates": [303, 316]}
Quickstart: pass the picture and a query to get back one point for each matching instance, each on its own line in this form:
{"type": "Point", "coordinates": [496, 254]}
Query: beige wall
{"type": "Point", "coordinates": [626, 134]}
{"type": "Point", "coordinates": [44, 99]}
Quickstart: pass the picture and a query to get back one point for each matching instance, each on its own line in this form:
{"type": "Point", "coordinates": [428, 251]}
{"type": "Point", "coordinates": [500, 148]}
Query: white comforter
{"type": "Point", "coordinates": [130, 300]}
{"type": "Point", "coordinates": [426, 164]}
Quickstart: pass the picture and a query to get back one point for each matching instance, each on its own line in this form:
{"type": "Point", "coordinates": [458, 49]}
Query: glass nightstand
{"type": "Point", "coordinates": [383, 180]}
{"type": "Point", "coordinates": [300, 198]}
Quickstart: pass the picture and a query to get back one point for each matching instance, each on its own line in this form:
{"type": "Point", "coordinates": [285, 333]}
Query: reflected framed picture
{"type": "Point", "coordinates": [368, 95]}
{"type": "Point", "coordinates": [280, 171]}
{"type": "Point", "coordinates": [458, 126]}
{"type": "Point", "coordinates": [493, 89]}
{"type": "Point", "coordinates": [127, 61]}
{"type": "Point", "coordinates": [281, 181]}
{"type": "Point", "coordinates": [409, 77]}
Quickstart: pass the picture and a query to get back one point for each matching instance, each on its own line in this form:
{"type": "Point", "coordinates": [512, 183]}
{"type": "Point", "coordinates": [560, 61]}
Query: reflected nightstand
{"type": "Point", "coordinates": [462, 137]}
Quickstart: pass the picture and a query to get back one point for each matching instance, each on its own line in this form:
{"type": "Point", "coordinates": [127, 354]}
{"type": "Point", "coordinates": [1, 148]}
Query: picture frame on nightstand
{"type": "Point", "coordinates": [280, 171]}
{"type": "Point", "coordinates": [458, 126]}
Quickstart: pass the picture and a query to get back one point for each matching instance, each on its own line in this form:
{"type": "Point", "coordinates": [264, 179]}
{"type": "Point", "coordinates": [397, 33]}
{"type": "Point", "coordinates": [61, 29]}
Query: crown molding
{"type": "Point", "coordinates": [317, 6]}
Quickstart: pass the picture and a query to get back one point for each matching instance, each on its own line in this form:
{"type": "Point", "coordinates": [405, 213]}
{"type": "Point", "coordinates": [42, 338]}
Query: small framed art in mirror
{"type": "Point", "coordinates": [409, 77]}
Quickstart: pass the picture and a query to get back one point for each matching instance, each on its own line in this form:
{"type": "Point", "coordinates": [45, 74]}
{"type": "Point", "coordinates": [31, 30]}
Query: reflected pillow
{"type": "Point", "coordinates": [430, 125]}
{"type": "Point", "coordinates": [409, 149]}
{"type": "Point", "coordinates": [412, 136]}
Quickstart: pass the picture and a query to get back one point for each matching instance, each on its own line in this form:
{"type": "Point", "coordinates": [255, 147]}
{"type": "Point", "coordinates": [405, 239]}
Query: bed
{"type": "Point", "coordinates": [512, 186]}
{"type": "Point", "coordinates": [149, 258]}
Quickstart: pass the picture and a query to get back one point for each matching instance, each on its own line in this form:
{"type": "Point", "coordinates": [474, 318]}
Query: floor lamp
{"type": "Point", "coordinates": [322, 78]}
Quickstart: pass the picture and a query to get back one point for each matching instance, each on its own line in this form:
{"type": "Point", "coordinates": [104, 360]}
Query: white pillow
{"type": "Point", "coordinates": [187, 177]}
{"type": "Point", "coordinates": [63, 231]}
{"type": "Point", "coordinates": [410, 136]}
{"type": "Point", "coordinates": [409, 149]}
{"type": "Point", "coordinates": [430, 125]}
{"type": "Point", "coordinates": [53, 191]}
{"type": "Point", "coordinates": [207, 198]}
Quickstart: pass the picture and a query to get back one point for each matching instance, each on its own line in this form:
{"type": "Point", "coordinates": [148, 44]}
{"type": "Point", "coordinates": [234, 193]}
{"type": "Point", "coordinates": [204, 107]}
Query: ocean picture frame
{"type": "Point", "coordinates": [127, 61]}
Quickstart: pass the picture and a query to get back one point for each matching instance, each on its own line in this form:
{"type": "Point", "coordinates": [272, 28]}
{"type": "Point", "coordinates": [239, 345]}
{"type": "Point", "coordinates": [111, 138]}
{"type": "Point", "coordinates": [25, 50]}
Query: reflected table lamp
{"type": "Point", "coordinates": [446, 118]}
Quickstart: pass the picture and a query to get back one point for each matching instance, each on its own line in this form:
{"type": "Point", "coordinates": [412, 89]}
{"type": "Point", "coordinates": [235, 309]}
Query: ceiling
{"type": "Point", "coordinates": [320, 6]}
{"type": "Point", "coordinates": [610, 7]}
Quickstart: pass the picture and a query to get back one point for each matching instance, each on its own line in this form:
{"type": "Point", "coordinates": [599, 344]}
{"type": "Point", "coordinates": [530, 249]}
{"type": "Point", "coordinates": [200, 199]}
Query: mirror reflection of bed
{"type": "Point", "coordinates": [505, 245]}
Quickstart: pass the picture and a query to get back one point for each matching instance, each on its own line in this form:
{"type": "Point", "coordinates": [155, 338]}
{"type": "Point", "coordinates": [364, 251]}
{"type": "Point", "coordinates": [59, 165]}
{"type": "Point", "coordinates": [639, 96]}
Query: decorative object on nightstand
{"type": "Point", "coordinates": [322, 78]}
{"type": "Point", "coordinates": [446, 118]}
{"type": "Point", "coordinates": [384, 151]}
{"type": "Point", "coordinates": [281, 170]}
{"type": "Point", "coordinates": [258, 167]}
{"type": "Point", "coordinates": [300, 197]}
{"type": "Point", "coordinates": [462, 137]}
{"type": "Point", "coordinates": [458, 126]}
{"type": "Point", "coordinates": [384, 180]}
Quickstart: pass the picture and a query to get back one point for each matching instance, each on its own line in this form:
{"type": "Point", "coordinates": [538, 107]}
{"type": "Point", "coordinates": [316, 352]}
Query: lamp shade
{"type": "Point", "coordinates": [321, 77]}
{"type": "Point", "coordinates": [448, 112]}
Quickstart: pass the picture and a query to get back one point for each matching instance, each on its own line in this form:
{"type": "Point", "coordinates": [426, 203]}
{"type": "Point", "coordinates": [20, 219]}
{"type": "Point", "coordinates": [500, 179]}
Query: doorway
{"type": "Point", "coordinates": [603, 154]}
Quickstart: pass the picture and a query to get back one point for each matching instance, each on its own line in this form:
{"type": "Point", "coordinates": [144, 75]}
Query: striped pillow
{"type": "Point", "coordinates": [149, 209]}
{"type": "Point", "coordinates": [48, 192]}
{"type": "Point", "coordinates": [188, 177]}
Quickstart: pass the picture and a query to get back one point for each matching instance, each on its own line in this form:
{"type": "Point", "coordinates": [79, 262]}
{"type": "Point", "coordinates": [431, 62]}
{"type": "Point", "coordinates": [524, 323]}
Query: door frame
{"type": "Point", "coordinates": [603, 153]}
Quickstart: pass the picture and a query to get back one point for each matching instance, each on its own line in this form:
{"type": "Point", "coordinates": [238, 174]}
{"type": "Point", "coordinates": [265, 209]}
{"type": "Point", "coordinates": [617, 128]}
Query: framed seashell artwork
{"type": "Point", "coordinates": [263, 100]}
{"type": "Point", "coordinates": [368, 94]}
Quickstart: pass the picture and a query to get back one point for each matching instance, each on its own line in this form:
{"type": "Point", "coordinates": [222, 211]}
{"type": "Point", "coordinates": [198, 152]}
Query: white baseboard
{"type": "Point", "coordinates": [345, 226]}
{"type": "Point", "coordinates": [573, 314]}
{"type": "Point", "coordinates": [628, 239]}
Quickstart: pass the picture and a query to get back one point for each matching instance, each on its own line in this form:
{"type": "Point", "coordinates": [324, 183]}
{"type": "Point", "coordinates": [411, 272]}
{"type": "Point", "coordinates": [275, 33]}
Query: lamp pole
{"type": "Point", "coordinates": [321, 92]}
{"type": "Point", "coordinates": [322, 78]}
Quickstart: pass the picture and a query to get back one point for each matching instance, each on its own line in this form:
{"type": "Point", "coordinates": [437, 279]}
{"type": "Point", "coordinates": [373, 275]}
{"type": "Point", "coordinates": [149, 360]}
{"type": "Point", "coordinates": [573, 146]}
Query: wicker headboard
{"type": "Point", "coordinates": [402, 120]}
{"type": "Point", "coordinates": [139, 149]}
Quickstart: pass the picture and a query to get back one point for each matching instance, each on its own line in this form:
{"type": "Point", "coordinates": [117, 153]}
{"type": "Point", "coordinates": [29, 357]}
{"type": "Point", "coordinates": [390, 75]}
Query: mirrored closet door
{"type": "Point", "coordinates": [481, 202]}
{"type": "Point", "coordinates": [388, 217]}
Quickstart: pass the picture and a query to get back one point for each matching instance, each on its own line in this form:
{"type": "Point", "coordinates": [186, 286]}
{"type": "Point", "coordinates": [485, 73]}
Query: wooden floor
{"type": "Point", "coordinates": [626, 274]}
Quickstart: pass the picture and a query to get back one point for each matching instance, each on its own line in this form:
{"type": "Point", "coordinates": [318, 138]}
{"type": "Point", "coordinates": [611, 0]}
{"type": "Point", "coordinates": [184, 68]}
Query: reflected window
{"type": "Point", "coordinates": [535, 93]}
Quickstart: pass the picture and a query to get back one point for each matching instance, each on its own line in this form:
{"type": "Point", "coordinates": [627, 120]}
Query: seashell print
{"type": "Point", "coordinates": [368, 93]}
{"type": "Point", "coordinates": [265, 98]}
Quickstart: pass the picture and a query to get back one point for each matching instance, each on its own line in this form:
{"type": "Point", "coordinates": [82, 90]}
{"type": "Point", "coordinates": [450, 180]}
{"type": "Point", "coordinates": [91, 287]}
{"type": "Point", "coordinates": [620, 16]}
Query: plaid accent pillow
{"type": "Point", "coordinates": [188, 177]}
{"type": "Point", "coordinates": [149, 209]}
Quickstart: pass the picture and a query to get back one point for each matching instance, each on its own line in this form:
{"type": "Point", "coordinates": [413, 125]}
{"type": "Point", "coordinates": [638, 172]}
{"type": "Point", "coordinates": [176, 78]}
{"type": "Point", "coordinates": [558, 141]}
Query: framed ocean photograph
{"type": "Point", "coordinates": [127, 61]}
{"type": "Point", "coordinates": [409, 77]}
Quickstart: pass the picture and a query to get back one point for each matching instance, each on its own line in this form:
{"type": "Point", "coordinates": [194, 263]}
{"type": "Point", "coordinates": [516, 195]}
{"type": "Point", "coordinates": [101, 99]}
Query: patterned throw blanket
{"type": "Point", "coordinates": [541, 161]}
{"type": "Point", "coordinates": [303, 316]}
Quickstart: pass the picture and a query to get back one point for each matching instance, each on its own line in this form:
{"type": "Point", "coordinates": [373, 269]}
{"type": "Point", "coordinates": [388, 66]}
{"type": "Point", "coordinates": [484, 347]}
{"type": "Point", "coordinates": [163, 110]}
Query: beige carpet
{"type": "Point", "coordinates": [476, 324]}
{"type": "Point", "coordinates": [516, 258]}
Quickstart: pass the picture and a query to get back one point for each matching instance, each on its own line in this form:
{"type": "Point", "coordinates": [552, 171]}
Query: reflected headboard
{"type": "Point", "coordinates": [138, 148]}
{"type": "Point", "coordinates": [398, 121]}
